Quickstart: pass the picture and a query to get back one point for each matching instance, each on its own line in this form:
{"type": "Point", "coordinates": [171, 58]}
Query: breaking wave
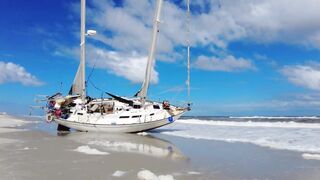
{"type": "Point", "coordinates": [274, 117]}
{"type": "Point", "coordinates": [285, 135]}
{"type": "Point", "coordinates": [279, 124]}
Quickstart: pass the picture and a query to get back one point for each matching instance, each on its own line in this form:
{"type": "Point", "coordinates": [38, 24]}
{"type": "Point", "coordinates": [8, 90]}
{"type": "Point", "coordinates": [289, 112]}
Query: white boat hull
{"type": "Point", "coordinates": [117, 128]}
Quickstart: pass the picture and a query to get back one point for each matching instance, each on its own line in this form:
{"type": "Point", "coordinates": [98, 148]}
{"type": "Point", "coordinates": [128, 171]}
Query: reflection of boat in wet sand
{"type": "Point", "coordinates": [129, 143]}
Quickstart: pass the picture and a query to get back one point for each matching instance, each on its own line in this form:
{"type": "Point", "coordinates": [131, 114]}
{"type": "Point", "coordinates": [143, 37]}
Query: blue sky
{"type": "Point", "coordinates": [248, 57]}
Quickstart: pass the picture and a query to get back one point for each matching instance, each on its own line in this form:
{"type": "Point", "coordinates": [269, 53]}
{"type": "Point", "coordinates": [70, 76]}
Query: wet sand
{"type": "Point", "coordinates": [34, 151]}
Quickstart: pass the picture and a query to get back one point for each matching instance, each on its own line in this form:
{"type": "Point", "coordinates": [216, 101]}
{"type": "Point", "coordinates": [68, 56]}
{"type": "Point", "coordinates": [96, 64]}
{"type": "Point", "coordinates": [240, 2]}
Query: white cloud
{"type": "Point", "coordinates": [215, 28]}
{"type": "Point", "coordinates": [269, 21]}
{"type": "Point", "coordinates": [214, 23]}
{"type": "Point", "coordinates": [131, 25]}
{"type": "Point", "coordinates": [228, 64]}
{"type": "Point", "coordinates": [11, 72]}
{"type": "Point", "coordinates": [307, 76]}
{"type": "Point", "coordinates": [130, 66]}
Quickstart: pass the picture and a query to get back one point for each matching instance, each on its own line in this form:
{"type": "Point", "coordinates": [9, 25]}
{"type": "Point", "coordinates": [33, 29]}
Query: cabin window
{"type": "Point", "coordinates": [137, 116]}
{"type": "Point", "coordinates": [136, 106]}
{"type": "Point", "coordinates": [156, 106]}
{"type": "Point", "coordinates": [123, 117]}
{"type": "Point", "coordinates": [80, 114]}
{"type": "Point", "coordinates": [151, 114]}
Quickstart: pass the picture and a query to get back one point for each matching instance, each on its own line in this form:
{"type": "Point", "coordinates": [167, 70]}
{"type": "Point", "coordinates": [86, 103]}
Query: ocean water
{"type": "Point", "coordinates": [300, 134]}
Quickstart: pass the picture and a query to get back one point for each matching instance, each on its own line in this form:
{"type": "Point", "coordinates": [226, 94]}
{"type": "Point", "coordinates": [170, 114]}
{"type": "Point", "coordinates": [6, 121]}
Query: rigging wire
{"type": "Point", "coordinates": [89, 80]}
{"type": "Point", "coordinates": [96, 87]}
{"type": "Point", "coordinates": [91, 72]}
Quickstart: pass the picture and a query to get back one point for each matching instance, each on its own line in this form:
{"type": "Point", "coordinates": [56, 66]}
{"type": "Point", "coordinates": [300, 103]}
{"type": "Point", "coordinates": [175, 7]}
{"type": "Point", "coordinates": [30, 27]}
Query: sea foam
{"type": "Point", "coordinates": [148, 175]}
{"type": "Point", "coordinates": [118, 173]}
{"type": "Point", "coordinates": [311, 156]}
{"type": "Point", "coordinates": [274, 117]}
{"type": "Point", "coordinates": [302, 137]}
{"type": "Point", "coordinates": [89, 150]}
{"type": "Point", "coordinates": [279, 124]}
{"type": "Point", "coordinates": [9, 121]}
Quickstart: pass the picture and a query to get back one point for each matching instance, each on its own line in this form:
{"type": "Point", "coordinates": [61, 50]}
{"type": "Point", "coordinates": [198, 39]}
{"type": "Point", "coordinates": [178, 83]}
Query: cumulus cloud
{"type": "Point", "coordinates": [11, 72]}
{"type": "Point", "coordinates": [228, 64]}
{"type": "Point", "coordinates": [131, 25]}
{"type": "Point", "coordinates": [307, 76]}
{"type": "Point", "coordinates": [127, 28]}
{"type": "Point", "coordinates": [130, 66]}
{"type": "Point", "coordinates": [212, 22]}
{"type": "Point", "coordinates": [270, 21]}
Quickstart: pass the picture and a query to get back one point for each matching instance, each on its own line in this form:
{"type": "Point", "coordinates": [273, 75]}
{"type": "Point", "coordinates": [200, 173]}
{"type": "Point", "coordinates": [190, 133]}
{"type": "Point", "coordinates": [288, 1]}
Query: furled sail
{"type": "Point", "coordinates": [144, 89]}
{"type": "Point", "coordinates": [77, 85]}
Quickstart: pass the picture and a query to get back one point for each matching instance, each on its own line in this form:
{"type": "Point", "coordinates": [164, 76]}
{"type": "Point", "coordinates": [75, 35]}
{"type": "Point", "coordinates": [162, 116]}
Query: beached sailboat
{"type": "Point", "coordinates": [115, 114]}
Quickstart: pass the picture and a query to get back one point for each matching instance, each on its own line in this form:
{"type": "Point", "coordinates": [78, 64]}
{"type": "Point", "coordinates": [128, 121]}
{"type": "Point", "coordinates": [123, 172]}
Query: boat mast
{"type": "Point", "coordinates": [144, 89]}
{"type": "Point", "coordinates": [188, 49]}
{"type": "Point", "coordinates": [83, 49]}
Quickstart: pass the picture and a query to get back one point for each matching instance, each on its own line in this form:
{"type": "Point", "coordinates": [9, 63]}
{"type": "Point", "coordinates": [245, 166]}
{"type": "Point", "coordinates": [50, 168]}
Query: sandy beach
{"type": "Point", "coordinates": [31, 149]}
